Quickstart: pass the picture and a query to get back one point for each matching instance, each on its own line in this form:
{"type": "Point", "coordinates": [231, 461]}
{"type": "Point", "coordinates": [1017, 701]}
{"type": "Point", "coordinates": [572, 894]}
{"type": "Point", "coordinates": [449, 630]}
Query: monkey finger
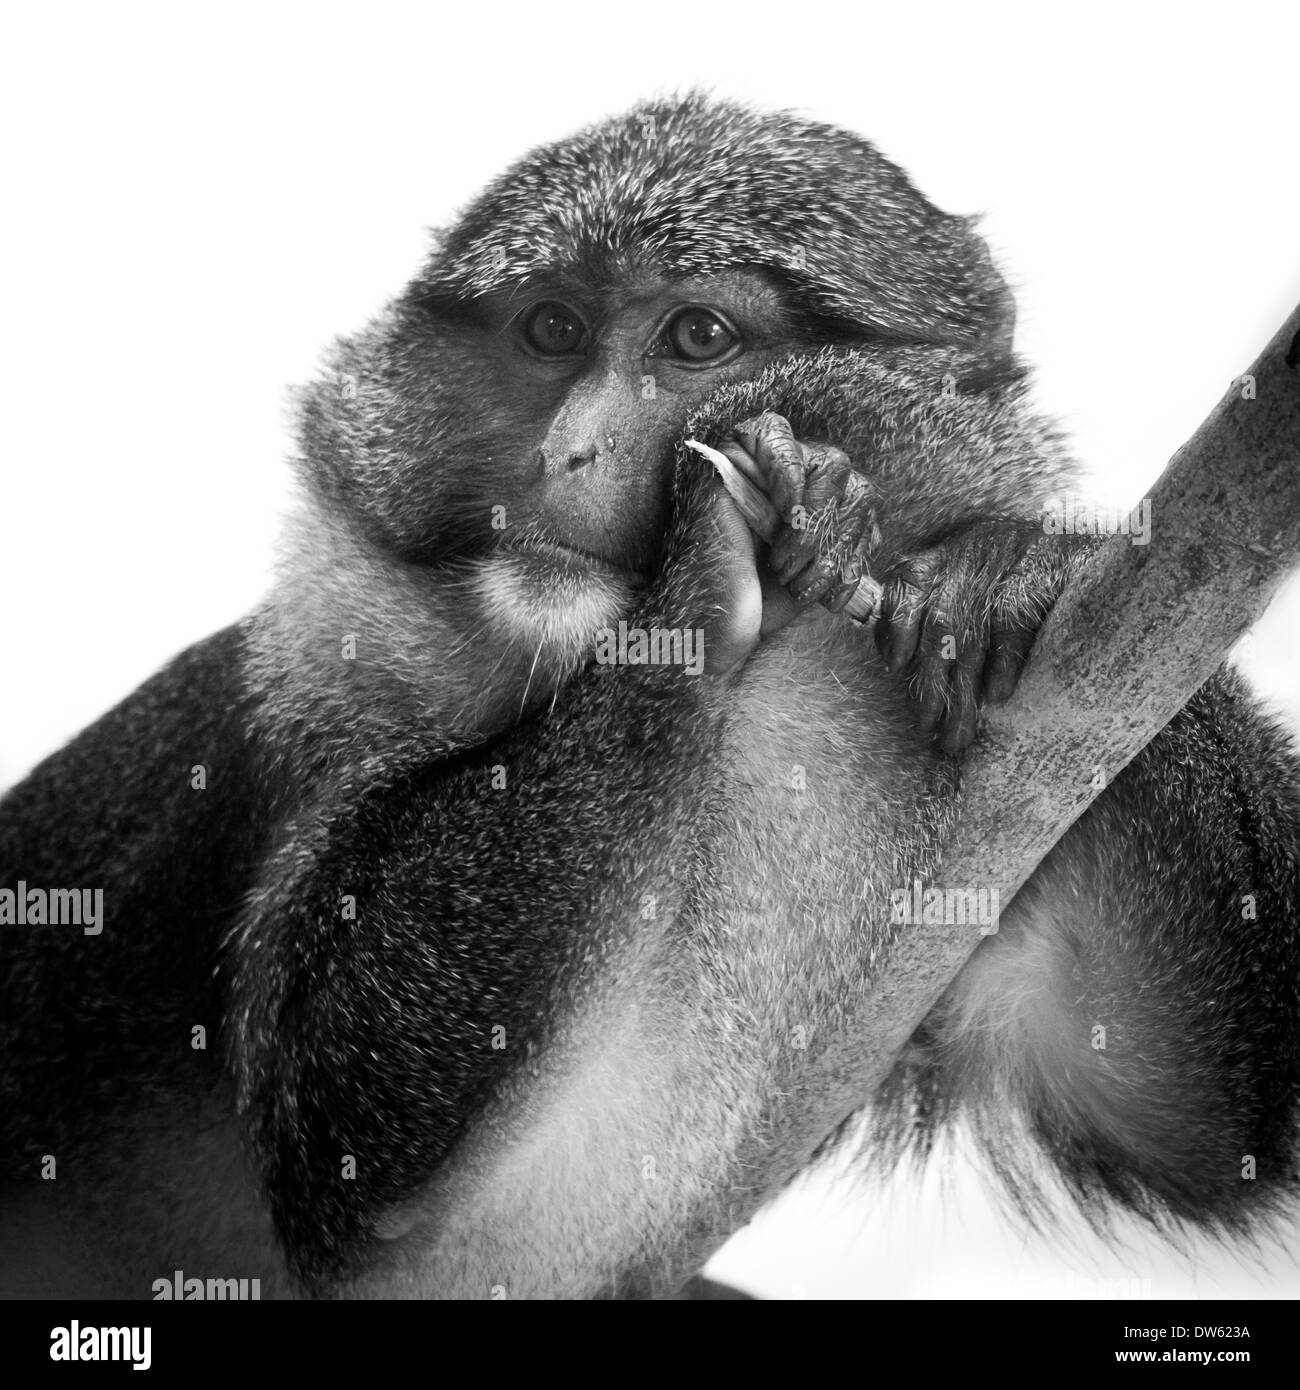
{"type": "Point", "coordinates": [838, 598]}
{"type": "Point", "coordinates": [838, 513]}
{"type": "Point", "coordinates": [827, 476]}
{"type": "Point", "coordinates": [937, 660]}
{"type": "Point", "coordinates": [779, 457]}
{"type": "Point", "coordinates": [792, 551]}
{"type": "Point", "coordinates": [1006, 661]}
{"type": "Point", "coordinates": [930, 691]}
{"type": "Point", "coordinates": [818, 580]}
{"type": "Point", "coordinates": [835, 493]}
{"type": "Point", "coordinates": [963, 709]}
{"type": "Point", "coordinates": [898, 630]}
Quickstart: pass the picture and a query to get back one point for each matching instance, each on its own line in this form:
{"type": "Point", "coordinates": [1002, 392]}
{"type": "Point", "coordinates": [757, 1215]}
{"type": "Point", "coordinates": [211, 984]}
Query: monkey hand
{"type": "Point", "coordinates": [827, 516]}
{"type": "Point", "coordinates": [959, 619]}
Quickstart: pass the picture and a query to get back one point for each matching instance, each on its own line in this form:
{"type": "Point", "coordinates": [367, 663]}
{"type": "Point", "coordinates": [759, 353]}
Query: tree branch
{"type": "Point", "coordinates": [1124, 649]}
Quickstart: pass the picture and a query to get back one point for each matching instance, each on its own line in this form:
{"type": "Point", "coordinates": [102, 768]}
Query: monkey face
{"type": "Point", "coordinates": [536, 447]}
{"type": "Point", "coordinates": [514, 412]}
{"type": "Point", "coordinates": [587, 393]}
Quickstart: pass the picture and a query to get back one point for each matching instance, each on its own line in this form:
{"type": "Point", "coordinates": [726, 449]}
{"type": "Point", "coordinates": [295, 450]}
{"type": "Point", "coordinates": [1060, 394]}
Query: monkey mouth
{"type": "Point", "coordinates": [572, 558]}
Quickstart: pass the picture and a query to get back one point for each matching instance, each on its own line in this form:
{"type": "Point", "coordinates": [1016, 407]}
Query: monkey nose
{"type": "Point", "coordinates": [548, 459]}
{"type": "Point", "coordinates": [581, 459]}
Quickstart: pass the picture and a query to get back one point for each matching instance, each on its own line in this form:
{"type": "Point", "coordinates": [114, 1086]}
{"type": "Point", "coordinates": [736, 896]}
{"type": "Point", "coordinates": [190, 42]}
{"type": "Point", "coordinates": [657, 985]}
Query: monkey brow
{"type": "Point", "coordinates": [497, 308]}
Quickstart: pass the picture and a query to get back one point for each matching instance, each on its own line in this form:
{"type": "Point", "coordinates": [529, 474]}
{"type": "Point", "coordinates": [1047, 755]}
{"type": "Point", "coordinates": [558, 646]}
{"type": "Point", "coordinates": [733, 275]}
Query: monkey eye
{"type": "Point", "coordinates": [696, 334]}
{"type": "Point", "coordinates": [554, 330]}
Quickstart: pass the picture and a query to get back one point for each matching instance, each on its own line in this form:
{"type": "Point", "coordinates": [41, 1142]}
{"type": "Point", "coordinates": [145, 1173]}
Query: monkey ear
{"type": "Point", "coordinates": [1000, 313]}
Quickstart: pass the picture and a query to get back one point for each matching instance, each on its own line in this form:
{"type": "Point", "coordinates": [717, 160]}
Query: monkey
{"type": "Point", "coordinates": [440, 958]}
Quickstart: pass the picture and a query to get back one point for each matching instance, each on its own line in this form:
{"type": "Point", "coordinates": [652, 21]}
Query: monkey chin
{"type": "Point", "coordinates": [552, 599]}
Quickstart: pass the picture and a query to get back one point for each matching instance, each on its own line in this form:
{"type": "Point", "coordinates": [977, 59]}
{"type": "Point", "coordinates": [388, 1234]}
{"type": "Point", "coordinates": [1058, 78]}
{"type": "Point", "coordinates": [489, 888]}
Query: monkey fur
{"type": "Point", "coordinates": [499, 951]}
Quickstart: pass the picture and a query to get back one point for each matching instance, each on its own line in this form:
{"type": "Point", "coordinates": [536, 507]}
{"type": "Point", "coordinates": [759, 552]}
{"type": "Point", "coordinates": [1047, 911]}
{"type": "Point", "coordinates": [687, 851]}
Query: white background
{"type": "Point", "coordinates": [196, 203]}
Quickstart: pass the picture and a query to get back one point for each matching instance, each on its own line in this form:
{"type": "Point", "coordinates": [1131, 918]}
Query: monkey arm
{"type": "Point", "coordinates": [164, 804]}
{"type": "Point", "coordinates": [393, 980]}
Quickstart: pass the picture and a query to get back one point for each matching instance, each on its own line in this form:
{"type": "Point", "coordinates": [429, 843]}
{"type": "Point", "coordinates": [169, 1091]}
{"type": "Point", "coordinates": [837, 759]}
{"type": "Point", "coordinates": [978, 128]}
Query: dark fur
{"type": "Point", "coordinates": [631, 1034]}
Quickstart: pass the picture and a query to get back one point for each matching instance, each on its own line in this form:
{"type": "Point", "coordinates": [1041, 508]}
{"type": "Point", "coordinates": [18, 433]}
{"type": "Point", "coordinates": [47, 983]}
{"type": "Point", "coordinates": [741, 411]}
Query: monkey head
{"type": "Point", "coordinates": [511, 417]}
